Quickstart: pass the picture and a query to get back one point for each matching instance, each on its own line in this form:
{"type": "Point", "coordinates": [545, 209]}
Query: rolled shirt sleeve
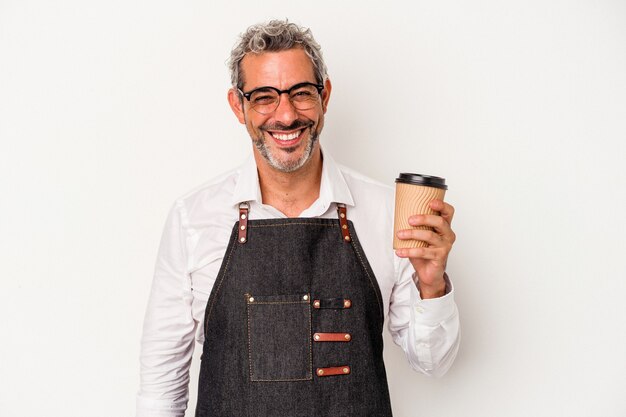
{"type": "Point", "coordinates": [168, 333]}
{"type": "Point", "coordinates": [427, 330]}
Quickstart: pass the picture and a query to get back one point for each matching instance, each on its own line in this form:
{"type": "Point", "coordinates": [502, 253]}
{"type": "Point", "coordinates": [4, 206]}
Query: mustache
{"type": "Point", "coordinates": [297, 124]}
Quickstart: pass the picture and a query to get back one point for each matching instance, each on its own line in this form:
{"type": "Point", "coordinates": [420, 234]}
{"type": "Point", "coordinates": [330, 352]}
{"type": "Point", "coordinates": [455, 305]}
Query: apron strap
{"type": "Point", "coordinates": [243, 222]}
{"type": "Point", "coordinates": [343, 221]}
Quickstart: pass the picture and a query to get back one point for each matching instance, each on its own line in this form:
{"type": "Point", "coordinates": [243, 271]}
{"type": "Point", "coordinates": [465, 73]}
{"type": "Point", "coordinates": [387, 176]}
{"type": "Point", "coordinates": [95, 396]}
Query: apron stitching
{"type": "Point", "coordinates": [356, 250]}
{"type": "Point", "coordinates": [279, 380]}
{"type": "Point", "coordinates": [280, 302]}
{"type": "Point", "coordinates": [249, 342]}
{"type": "Point", "coordinates": [310, 345]}
{"type": "Point", "coordinates": [290, 224]}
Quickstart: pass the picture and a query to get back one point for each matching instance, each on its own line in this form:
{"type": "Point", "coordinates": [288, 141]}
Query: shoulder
{"type": "Point", "coordinates": [209, 197]}
{"type": "Point", "coordinates": [366, 190]}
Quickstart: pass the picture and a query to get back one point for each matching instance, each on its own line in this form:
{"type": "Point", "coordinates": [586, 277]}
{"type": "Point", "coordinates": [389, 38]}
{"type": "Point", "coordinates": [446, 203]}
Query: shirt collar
{"type": "Point", "coordinates": [333, 186]}
{"type": "Point", "coordinates": [247, 187]}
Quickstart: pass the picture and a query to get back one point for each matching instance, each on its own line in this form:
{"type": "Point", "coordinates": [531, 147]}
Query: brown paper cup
{"type": "Point", "coordinates": [413, 194]}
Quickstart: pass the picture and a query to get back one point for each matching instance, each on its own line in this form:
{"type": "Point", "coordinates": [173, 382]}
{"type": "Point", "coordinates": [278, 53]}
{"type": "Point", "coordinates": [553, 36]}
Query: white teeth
{"type": "Point", "coordinates": [290, 136]}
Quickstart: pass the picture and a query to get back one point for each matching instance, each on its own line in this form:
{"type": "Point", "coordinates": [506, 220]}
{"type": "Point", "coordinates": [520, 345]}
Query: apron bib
{"type": "Point", "coordinates": [293, 325]}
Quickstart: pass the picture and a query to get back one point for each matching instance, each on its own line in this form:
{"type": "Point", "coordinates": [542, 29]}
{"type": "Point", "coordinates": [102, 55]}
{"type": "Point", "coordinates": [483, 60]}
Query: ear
{"type": "Point", "coordinates": [326, 95]}
{"type": "Point", "coordinates": [236, 104]}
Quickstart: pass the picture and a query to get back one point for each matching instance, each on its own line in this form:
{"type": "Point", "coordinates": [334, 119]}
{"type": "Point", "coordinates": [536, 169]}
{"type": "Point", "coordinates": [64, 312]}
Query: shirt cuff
{"type": "Point", "coordinates": [433, 310]}
{"type": "Point", "coordinates": [149, 407]}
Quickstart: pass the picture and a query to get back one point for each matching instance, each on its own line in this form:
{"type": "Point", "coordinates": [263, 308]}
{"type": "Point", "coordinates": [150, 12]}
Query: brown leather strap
{"type": "Point", "coordinates": [332, 303]}
{"type": "Point", "coordinates": [332, 337]}
{"type": "Point", "coordinates": [335, 370]}
{"type": "Point", "coordinates": [343, 222]}
{"type": "Point", "coordinates": [243, 223]}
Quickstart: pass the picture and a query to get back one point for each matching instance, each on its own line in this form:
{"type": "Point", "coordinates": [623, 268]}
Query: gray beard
{"type": "Point", "coordinates": [290, 166]}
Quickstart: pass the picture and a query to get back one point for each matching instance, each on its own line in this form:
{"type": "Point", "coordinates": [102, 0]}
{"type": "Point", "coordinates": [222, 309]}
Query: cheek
{"type": "Point", "coordinates": [317, 117]}
{"type": "Point", "coordinates": [253, 123]}
{"type": "Point", "coordinates": [320, 122]}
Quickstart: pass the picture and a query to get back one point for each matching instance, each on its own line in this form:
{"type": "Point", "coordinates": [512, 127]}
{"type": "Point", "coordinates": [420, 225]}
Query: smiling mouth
{"type": "Point", "coordinates": [286, 137]}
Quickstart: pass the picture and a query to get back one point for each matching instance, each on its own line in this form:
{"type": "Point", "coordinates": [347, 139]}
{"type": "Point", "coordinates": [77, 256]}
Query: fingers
{"type": "Point", "coordinates": [428, 236]}
{"type": "Point", "coordinates": [445, 210]}
{"type": "Point", "coordinates": [432, 254]}
{"type": "Point", "coordinates": [437, 223]}
{"type": "Point", "coordinates": [436, 252]}
{"type": "Point", "coordinates": [440, 236]}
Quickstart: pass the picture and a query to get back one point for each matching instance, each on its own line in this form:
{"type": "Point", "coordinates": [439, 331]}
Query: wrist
{"type": "Point", "coordinates": [434, 290]}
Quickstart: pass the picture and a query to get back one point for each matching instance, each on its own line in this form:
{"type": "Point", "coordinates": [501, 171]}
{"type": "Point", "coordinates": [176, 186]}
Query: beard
{"type": "Point", "coordinates": [289, 165]}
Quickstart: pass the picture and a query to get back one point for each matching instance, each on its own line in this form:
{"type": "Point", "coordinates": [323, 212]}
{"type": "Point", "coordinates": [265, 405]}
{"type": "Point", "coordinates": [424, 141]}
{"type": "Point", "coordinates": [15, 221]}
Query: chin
{"type": "Point", "coordinates": [291, 164]}
{"type": "Point", "coordinates": [288, 165]}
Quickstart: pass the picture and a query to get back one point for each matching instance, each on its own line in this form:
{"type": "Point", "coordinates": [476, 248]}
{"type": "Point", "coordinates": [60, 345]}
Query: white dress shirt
{"type": "Point", "coordinates": [194, 241]}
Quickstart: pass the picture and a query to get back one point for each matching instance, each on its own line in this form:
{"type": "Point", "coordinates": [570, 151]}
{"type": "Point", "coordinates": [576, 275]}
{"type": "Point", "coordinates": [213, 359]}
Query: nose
{"type": "Point", "coordinates": [285, 113]}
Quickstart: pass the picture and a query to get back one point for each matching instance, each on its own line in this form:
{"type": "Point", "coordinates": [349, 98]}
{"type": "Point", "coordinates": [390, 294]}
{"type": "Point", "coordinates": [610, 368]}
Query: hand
{"type": "Point", "coordinates": [430, 262]}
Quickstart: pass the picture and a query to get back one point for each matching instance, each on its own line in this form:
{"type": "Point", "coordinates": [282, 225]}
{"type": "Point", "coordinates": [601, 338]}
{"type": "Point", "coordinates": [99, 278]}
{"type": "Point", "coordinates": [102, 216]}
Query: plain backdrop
{"type": "Point", "coordinates": [109, 110]}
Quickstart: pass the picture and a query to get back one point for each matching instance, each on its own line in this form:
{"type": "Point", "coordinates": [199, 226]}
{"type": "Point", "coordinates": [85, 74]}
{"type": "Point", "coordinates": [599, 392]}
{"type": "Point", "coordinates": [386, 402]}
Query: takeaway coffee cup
{"type": "Point", "coordinates": [413, 193]}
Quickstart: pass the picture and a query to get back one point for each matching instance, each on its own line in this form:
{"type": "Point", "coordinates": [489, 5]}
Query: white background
{"type": "Point", "coordinates": [109, 110]}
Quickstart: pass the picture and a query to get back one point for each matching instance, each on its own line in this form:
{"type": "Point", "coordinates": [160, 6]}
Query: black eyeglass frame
{"type": "Point", "coordinates": [247, 95]}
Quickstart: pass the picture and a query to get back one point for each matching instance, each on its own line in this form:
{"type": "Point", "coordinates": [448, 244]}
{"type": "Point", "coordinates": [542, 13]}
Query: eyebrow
{"type": "Point", "coordinates": [272, 87]}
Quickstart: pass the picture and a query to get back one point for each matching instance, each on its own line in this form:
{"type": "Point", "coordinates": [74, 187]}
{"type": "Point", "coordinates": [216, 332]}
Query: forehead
{"type": "Point", "coordinates": [277, 69]}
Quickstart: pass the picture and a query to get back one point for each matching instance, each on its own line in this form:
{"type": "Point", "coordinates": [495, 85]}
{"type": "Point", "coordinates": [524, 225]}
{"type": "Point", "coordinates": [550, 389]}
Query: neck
{"type": "Point", "coordinates": [291, 192]}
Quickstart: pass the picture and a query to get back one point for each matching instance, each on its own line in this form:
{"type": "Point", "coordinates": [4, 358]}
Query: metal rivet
{"type": "Point", "coordinates": [251, 299]}
{"type": "Point", "coordinates": [320, 372]}
{"type": "Point", "coordinates": [316, 337]}
{"type": "Point", "coordinates": [345, 226]}
{"type": "Point", "coordinates": [242, 240]}
{"type": "Point", "coordinates": [347, 303]}
{"type": "Point", "coordinates": [342, 216]}
{"type": "Point", "coordinates": [243, 216]}
{"type": "Point", "coordinates": [243, 227]}
{"type": "Point", "coordinates": [347, 238]}
{"type": "Point", "coordinates": [306, 297]}
{"type": "Point", "coordinates": [346, 370]}
{"type": "Point", "coordinates": [347, 336]}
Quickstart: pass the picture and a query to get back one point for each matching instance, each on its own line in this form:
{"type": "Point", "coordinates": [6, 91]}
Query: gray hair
{"type": "Point", "coordinates": [276, 36]}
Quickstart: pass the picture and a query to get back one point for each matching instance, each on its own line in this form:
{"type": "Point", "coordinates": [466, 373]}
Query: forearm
{"type": "Point", "coordinates": [426, 329]}
{"type": "Point", "coordinates": [167, 342]}
{"type": "Point", "coordinates": [433, 333]}
{"type": "Point", "coordinates": [167, 347]}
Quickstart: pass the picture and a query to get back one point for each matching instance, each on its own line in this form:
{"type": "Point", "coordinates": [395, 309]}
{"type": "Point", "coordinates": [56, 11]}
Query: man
{"type": "Point", "coordinates": [286, 265]}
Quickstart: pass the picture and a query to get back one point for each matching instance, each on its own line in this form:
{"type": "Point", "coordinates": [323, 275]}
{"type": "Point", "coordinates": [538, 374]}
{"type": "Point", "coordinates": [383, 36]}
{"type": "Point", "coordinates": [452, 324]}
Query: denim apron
{"type": "Point", "coordinates": [293, 325]}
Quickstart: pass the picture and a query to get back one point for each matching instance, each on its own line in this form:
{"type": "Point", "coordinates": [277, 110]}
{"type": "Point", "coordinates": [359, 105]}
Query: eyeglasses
{"type": "Point", "coordinates": [265, 100]}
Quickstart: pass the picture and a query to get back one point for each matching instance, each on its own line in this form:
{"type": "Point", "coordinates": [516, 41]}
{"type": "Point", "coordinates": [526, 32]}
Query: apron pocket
{"type": "Point", "coordinates": [279, 337]}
